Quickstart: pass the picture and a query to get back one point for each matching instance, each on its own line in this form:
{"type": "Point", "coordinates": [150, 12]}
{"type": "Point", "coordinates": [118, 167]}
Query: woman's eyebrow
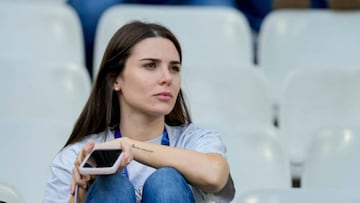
{"type": "Point", "coordinates": [157, 60]}
{"type": "Point", "coordinates": [175, 63]}
{"type": "Point", "coordinates": [150, 59]}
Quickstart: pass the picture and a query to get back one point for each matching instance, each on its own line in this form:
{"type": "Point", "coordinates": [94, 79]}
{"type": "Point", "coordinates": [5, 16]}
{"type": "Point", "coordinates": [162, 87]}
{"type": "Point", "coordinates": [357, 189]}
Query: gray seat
{"type": "Point", "coordinates": [43, 90]}
{"type": "Point", "coordinates": [257, 160]}
{"type": "Point", "coordinates": [290, 39]}
{"type": "Point", "coordinates": [27, 148]}
{"type": "Point", "coordinates": [314, 99]}
{"type": "Point", "coordinates": [38, 31]}
{"type": "Point", "coordinates": [333, 160]}
{"type": "Point", "coordinates": [208, 34]}
{"type": "Point", "coordinates": [299, 196]}
{"type": "Point", "coordinates": [10, 194]}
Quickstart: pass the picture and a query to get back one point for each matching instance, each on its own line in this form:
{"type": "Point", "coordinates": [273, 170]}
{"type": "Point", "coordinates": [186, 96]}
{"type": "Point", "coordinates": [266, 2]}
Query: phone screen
{"type": "Point", "coordinates": [101, 158]}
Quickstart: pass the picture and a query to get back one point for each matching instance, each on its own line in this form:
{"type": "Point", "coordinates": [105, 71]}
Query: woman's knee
{"type": "Point", "coordinates": [165, 175]}
{"type": "Point", "coordinates": [112, 188]}
{"type": "Point", "coordinates": [167, 184]}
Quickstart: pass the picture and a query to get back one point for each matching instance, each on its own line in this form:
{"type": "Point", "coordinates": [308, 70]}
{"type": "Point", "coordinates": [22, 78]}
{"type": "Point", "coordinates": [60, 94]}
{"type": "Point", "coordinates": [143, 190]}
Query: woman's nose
{"type": "Point", "coordinates": [166, 76]}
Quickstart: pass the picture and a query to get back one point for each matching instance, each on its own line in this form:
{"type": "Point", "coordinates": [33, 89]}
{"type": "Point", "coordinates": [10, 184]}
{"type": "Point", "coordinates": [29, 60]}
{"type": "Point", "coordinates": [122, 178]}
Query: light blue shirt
{"type": "Point", "coordinates": [187, 136]}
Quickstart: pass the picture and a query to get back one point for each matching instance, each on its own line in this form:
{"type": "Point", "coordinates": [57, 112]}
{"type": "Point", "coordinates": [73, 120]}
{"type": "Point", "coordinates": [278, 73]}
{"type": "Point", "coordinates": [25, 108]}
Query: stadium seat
{"type": "Point", "coordinates": [43, 90]}
{"type": "Point", "coordinates": [10, 194]}
{"type": "Point", "coordinates": [27, 148]}
{"type": "Point", "coordinates": [333, 161]}
{"type": "Point", "coordinates": [38, 31]}
{"type": "Point", "coordinates": [298, 196]}
{"type": "Point", "coordinates": [313, 99]}
{"type": "Point", "coordinates": [209, 35]}
{"type": "Point", "coordinates": [290, 39]}
{"type": "Point", "coordinates": [257, 160]}
{"type": "Point", "coordinates": [235, 101]}
{"type": "Point", "coordinates": [227, 96]}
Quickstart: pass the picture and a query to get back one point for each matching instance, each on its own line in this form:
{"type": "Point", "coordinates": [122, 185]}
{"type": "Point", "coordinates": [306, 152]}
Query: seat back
{"type": "Point", "coordinates": [208, 35]}
{"type": "Point", "coordinates": [27, 148]}
{"type": "Point", "coordinates": [293, 38]}
{"type": "Point", "coordinates": [40, 31]}
{"type": "Point", "coordinates": [314, 99]}
{"type": "Point", "coordinates": [298, 196]}
{"type": "Point", "coordinates": [10, 194]}
{"type": "Point", "coordinates": [227, 96]}
{"type": "Point", "coordinates": [333, 161]}
{"type": "Point", "coordinates": [42, 90]}
{"type": "Point", "coordinates": [257, 160]}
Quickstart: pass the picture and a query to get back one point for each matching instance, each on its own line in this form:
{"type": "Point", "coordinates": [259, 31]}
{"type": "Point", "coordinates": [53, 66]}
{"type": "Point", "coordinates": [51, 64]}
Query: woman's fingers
{"type": "Point", "coordinates": [77, 178]}
{"type": "Point", "coordinates": [127, 153]}
{"type": "Point", "coordinates": [72, 184]}
{"type": "Point", "coordinates": [86, 150]}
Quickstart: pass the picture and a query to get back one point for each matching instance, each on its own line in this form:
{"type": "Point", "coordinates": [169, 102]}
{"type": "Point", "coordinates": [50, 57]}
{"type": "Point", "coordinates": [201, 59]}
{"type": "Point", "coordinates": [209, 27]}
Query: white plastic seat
{"type": "Point", "coordinates": [298, 196]}
{"type": "Point", "coordinates": [314, 99]}
{"type": "Point", "coordinates": [208, 35]}
{"type": "Point", "coordinates": [10, 194]}
{"type": "Point", "coordinates": [39, 31]}
{"type": "Point", "coordinates": [257, 160]}
{"type": "Point", "coordinates": [333, 161]}
{"type": "Point", "coordinates": [295, 38]}
{"type": "Point", "coordinates": [227, 96]}
{"type": "Point", "coordinates": [235, 101]}
{"type": "Point", "coordinates": [27, 148]}
{"type": "Point", "coordinates": [42, 90]}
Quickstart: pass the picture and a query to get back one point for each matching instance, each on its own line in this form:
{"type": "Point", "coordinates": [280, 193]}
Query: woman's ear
{"type": "Point", "coordinates": [116, 85]}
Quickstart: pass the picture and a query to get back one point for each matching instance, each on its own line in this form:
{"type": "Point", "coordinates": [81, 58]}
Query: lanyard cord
{"type": "Point", "coordinates": [164, 141]}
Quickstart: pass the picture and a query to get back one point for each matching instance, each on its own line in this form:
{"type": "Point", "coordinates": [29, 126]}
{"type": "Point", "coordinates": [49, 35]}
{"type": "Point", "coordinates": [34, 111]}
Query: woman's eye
{"type": "Point", "coordinates": [150, 65]}
{"type": "Point", "coordinates": [175, 69]}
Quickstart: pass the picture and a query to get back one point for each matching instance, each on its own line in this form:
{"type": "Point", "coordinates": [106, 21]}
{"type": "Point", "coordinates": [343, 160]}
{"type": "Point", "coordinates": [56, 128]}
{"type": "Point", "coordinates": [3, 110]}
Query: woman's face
{"type": "Point", "coordinates": [151, 79]}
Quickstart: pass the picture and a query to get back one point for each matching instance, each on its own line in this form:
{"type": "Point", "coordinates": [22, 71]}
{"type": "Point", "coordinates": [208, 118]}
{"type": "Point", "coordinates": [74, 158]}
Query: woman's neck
{"type": "Point", "coordinates": [142, 129]}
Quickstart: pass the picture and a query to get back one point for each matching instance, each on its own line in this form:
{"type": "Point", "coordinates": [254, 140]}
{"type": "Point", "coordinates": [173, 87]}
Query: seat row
{"type": "Point", "coordinates": [223, 89]}
{"type": "Point", "coordinates": [217, 35]}
{"type": "Point", "coordinates": [299, 196]}
{"type": "Point", "coordinates": [258, 164]}
{"type": "Point", "coordinates": [220, 36]}
{"type": "Point", "coordinates": [37, 98]}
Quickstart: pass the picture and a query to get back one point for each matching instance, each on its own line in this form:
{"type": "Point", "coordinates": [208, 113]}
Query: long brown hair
{"type": "Point", "coordinates": [102, 109]}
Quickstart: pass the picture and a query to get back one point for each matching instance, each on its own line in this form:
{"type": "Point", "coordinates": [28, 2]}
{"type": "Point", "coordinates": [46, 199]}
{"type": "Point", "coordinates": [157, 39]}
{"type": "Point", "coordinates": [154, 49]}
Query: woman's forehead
{"type": "Point", "coordinates": [156, 47]}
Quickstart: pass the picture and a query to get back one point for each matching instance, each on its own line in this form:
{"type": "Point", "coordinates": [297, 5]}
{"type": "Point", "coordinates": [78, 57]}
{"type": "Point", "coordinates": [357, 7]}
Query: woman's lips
{"type": "Point", "coordinates": [164, 96]}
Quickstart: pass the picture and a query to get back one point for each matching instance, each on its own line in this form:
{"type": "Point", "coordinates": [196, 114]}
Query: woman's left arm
{"type": "Point", "coordinates": [208, 171]}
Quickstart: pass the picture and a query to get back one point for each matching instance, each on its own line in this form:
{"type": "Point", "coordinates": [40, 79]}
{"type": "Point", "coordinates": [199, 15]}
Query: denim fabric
{"type": "Point", "coordinates": [167, 185]}
{"type": "Point", "coordinates": [111, 189]}
{"type": "Point", "coordinates": [164, 185]}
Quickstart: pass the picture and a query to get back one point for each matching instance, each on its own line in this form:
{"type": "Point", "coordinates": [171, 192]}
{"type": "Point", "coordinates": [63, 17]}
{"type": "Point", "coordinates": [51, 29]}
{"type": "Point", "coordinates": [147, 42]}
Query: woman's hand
{"type": "Point", "coordinates": [124, 144]}
{"type": "Point", "coordinates": [126, 150]}
{"type": "Point", "coordinates": [81, 180]}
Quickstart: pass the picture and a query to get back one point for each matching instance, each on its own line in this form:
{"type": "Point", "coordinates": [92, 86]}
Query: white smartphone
{"type": "Point", "coordinates": [101, 161]}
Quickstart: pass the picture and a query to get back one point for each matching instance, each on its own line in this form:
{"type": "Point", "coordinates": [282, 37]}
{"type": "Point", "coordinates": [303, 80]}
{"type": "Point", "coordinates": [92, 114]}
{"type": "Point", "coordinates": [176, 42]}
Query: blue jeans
{"type": "Point", "coordinates": [164, 185]}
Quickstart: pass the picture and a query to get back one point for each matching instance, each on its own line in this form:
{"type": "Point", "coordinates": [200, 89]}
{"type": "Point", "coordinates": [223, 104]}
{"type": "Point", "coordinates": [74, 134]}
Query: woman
{"type": "Point", "coordinates": [137, 104]}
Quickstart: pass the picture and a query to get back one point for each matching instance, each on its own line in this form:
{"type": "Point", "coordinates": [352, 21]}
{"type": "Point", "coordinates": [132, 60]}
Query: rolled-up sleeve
{"type": "Point", "coordinates": [201, 140]}
{"type": "Point", "coordinates": [58, 185]}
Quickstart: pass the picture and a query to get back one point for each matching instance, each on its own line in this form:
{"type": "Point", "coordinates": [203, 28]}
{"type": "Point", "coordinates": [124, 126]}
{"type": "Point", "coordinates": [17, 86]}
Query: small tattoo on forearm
{"type": "Point", "coordinates": [140, 148]}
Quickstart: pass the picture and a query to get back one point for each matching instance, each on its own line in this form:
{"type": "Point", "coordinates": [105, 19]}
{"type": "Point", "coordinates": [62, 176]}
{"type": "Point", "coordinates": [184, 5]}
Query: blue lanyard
{"type": "Point", "coordinates": [164, 141]}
